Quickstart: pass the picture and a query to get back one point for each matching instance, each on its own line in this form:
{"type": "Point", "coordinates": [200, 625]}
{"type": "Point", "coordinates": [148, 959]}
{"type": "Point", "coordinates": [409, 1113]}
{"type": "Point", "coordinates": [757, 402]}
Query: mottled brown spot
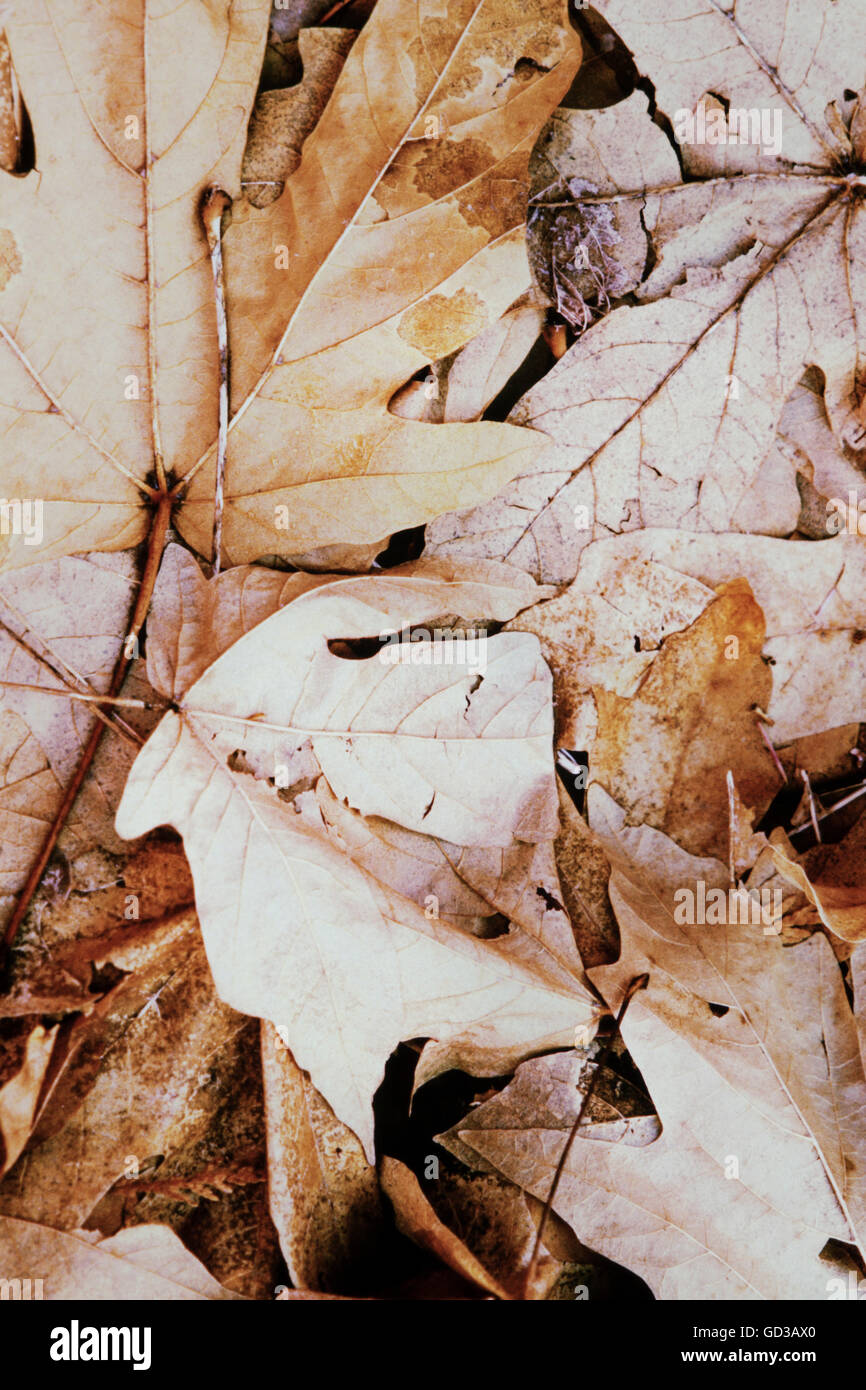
{"type": "Point", "coordinates": [441, 323]}
{"type": "Point", "coordinates": [449, 164]}
{"type": "Point", "coordinates": [510, 31]}
{"type": "Point", "coordinates": [497, 200]}
{"type": "Point", "coordinates": [442, 33]}
{"type": "Point", "coordinates": [10, 259]}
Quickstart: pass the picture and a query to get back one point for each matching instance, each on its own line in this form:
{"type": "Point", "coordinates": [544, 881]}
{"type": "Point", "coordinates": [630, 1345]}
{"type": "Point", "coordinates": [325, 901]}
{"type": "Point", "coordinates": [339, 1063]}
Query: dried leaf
{"type": "Point", "coordinates": [712, 1208]}
{"type": "Point", "coordinates": [367, 966]}
{"type": "Point", "coordinates": [18, 1097]}
{"type": "Point", "coordinates": [417, 1220]}
{"type": "Point", "coordinates": [733, 318]}
{"type": "Point", "coordinates": [146, 1262]}
{"type": "Point", "coordinates": [324, 1195]}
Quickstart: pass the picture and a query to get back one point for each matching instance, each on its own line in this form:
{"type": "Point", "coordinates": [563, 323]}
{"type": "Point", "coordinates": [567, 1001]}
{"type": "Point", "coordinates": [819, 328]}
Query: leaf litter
{"type": "Point", "coordinates": [484, 922]}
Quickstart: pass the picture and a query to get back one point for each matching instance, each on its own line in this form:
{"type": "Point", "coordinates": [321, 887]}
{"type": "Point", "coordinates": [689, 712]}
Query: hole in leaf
{"type": "Point", "coordinates": [402, 547]}
{"type": "Point", "coordinates": [493, 926]}
{"type": "Point", "coordinates": [17, 142]}
{"type": "Point", "coordinates": [573, 769]}
{"type": "Point", "coordinates": [550, 902]}
{"type": "Point", "coordinates": [355, 648]}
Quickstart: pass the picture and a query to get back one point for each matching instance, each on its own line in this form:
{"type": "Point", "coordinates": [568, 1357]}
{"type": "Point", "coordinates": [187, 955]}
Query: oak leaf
{"type": "Point", "coordinates": [364, 270]}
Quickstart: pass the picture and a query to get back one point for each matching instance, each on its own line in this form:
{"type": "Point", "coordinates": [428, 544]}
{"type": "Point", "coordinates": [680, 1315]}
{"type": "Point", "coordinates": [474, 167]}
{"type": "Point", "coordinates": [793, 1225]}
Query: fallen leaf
{"type": "Point", "coordinates": [811, 598]}
{"type": "Point", "coordinates": [362, 957]}
{"type": "Point", "coordinates": [772, 1068]}
{"type": "Point", "coordinates": [310, 358]}
{"type": "Point", "coordinates": [324, 1195]}
{"type": "Point", "coordinates": [417, 1220]}
{"type": "Point", "coordinates": [664, 753]}
{"type": "Point", "coordinates": [19, 1096]}
{"type": "Point", "coordinates": [841, 909]}
{"type": "Point", "coordinates": [664, 412]}
{"type": "Point", "coordinates": [145, 1262]}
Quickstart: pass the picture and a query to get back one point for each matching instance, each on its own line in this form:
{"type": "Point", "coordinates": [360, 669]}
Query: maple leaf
{"type": "Point", "coordinates": [333, 954]}
{"type": "Point", "coordinates": [749, 1051]}
{"type": "Point", "coordinates": [666, 411]}
{"type": "Point", "coordinates": [113, 405]}
{"type": "Point", "coordinates": [103, 400]}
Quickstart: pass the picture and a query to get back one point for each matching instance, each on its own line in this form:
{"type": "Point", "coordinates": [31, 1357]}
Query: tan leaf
{"type": "Point", "coordinates": [812, 600]}
{"type": "Point", "coordinates": [665, 1209]}
{"type": "Point", "coordinates": [18, 1097]}
{"type": "Point", "coordinates": [324, 1195]}
{"type": "Point", "coordinates": [428, 214]}
{"type": "Point", "coordinates": [144, 1262]}
{"type": "Point", "coordinates": [434, 748]}
{"type": "Point", "coordinates": [429, 217]}
{"type": "Point", "coordinates": [664, 753]}
{"type": "Point", "coordinates": [417, 1220]}
{"type": "Point", "coordinates": [841, 909]}
{"type": "Point", "coordinates": [126, 148]}
{"type": "Point", "coordinates": [731, 322]}
{"type": "Point", "coordinates": [770, 1076]}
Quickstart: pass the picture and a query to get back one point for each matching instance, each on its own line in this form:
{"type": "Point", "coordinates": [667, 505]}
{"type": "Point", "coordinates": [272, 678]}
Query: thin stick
{"type": "Point", "coordinates": [813, 815]}
{"type": "Point", "coordinates": [771, 750]}
{"type": "Point", "coordinates": [215, 204]}
{"type": "Point", "coordinates": [66, 675]}
{"type": "Point", "coordinates": [729, 778]}
{"type": "Point", "coordinates": [639, 982]}
{"type": "Point", "coordinates": [126, 703]}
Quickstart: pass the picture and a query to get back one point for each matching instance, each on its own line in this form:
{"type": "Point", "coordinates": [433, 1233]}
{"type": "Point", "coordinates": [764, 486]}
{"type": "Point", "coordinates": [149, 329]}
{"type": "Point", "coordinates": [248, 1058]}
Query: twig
{"type": "Point", "coordinates": [215, 204]}
{"type": "Point", "coordinates": [66, 675]}
{"type": "Point", "coordinates": [638, 983]}
{"type": "Point", "coordinates": [813, 816]}
{"type": "Point", "coordinates": [761, 718]}
{"type": "Point", "coordinates": [117, 700]}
